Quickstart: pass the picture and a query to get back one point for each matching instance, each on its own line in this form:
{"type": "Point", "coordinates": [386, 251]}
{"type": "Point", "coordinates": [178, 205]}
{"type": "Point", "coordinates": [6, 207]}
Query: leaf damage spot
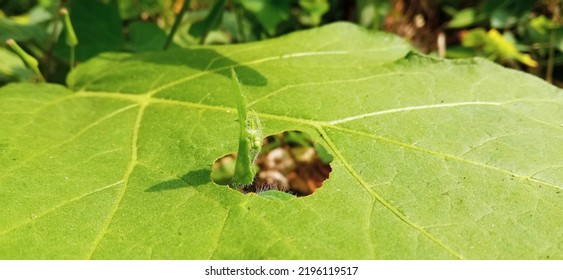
{"type": "Point", "coordinates": [290, 162]}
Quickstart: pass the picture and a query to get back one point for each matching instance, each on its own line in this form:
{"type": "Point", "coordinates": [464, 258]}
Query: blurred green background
{"type": "Point", "coordinates": [521, 34]}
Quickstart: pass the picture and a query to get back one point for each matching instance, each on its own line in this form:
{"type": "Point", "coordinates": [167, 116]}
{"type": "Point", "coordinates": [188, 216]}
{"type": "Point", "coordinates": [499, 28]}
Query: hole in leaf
{"type": "Point", "coordinates": [289, 162]}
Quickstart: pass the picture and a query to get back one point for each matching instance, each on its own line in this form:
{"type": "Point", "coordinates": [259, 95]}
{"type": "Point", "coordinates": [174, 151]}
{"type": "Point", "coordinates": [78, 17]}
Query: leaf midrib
{"type": "Point", "coordinates": [328, 124]}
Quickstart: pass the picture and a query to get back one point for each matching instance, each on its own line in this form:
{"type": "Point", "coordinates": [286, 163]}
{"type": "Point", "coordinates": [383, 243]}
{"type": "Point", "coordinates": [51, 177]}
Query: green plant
{"type": "Point", "coordinates": [250, 138]}
{"type": "Point", "coordinates": [71, 39]}
{"type": "Point", "coordinates": [29, 60]}
{"type": "Point", "coordinates": [432, 159]}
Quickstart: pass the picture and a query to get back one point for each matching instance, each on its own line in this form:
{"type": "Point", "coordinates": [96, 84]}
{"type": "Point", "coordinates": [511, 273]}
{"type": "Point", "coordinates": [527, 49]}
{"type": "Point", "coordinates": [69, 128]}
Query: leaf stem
{"type": "Point", "coordinates": [249, 139]}
{"type": "Point", "coordinates": [48, 59]}
{"type": "Point", "coordinates": [72, 58]}
{"type": "Point", "coordinates": [29, 60]}
{"type": "Point", "coordinates": [212, 20]}
{"type": "Point", "coordinates": [238, 16]}
{"type": "Point", "coordinates": [71, 39]}
{"type": "Point", "coordinates": [376, 19]}
{"type": "Point", "coordinates": [177, 21]}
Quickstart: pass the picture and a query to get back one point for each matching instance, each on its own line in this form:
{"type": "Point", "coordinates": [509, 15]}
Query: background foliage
{"type": "Point", "coordinates": [522, 34]}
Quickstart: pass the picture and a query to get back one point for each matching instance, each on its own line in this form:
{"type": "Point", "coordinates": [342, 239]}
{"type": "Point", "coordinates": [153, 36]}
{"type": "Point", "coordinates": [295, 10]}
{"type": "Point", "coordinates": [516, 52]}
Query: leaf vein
{"type": "Point", "coordinates": [413, 108]}
{"type": "Point", "coordinates": [219, 237]}
{"type": "Point", "coordinates": [254, 62]}
{"type": "Point", "coordinates": [314, 123]}
{"type": "Point", "coordinates": [444, 155]}
{"type": "Point", "coordinates": [126, 177]}
{"type": "Point", "coordinates": [328, 124]}
{"type": "Point", "coordinates": [51, 210]}
{"type": "Point", "coordinates": [287, 87]}
{"type": "Point", "coordinates": [377, 197]}
{"type": "Point", "coordinates": [22, 162]}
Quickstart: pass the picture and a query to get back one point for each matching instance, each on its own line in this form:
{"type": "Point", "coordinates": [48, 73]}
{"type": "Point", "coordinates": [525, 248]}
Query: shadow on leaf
{"type": "Point", "coordinates": [205, 60]}
{"type": "Point", "coordinates": [191, 179]}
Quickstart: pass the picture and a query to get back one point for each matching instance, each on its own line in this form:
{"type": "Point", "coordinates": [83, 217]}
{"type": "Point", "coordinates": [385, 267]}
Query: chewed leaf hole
{"type": "Point", "coordinates": [289, 162]}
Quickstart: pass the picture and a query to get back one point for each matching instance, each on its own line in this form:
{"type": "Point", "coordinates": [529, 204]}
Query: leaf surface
{"type": "Point", "coordinates": [432, 159]}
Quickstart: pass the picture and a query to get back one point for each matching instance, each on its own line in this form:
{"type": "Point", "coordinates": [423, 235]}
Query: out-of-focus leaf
{"type": "Point", "coordinates": [12, 68]}
{"type": "Point", "coordinates": [371, 13]}
{"type": "Point", "coordinates": [30, 27]}
{"type": "Point", "coordinates": [559, 38]}
{"type": "Point", "coordinates": [540, 28]}
{"type": "Point", "coordinates": [495, 46]}
{"type": "Point", "coordinates": [542, 24]}
{"type": "Point", "coordinates": [129, 9]}
{"type": "Point", "coordinates": [213, 19]}
{"type": "Point", "coordinates": [463, 18]}
{"type": "Point", "coordinates": [500, 18]}
{"type": "Point", "coordinates": [98, 28]}
{"type": "Point", "coordinates": [223, 171]}
{"type": "Point", "coordinates": [474, 38]}
{"type": "Point", "coordinates": [146, 36]}
{"type": "Point", "coordinates": [268, 12]}
{"type": "Point", "coordinates": [323, 154]}
{"type": "Point", "coordinates": [506, 13]}
{"type": "Point", "coordinates": [16, 7]}
{"type": "Point", "coordinates": [20, 32]}
{"type": "Point", "coordinates": [505, 49]}
{"type": "Point", "coordinates": [458, 51]}
{"type": "Point", "coordinates": [314, 9]}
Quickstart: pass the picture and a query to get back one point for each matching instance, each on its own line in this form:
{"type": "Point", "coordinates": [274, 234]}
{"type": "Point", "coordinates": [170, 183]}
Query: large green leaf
{"type": "Point", "coordinates": [432, 158]}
